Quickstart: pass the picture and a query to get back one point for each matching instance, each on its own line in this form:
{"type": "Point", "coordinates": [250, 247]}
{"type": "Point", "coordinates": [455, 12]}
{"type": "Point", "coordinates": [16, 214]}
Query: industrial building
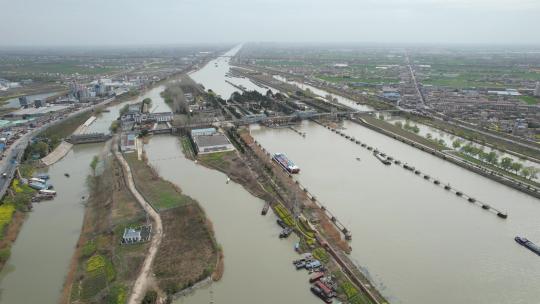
{"type": "Point", "coordinates": [210, 141]}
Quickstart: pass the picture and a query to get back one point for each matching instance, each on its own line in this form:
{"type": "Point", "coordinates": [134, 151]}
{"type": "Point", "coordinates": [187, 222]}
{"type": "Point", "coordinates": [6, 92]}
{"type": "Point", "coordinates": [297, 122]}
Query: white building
{"type": "Point", "coordinates": [210, 141]}
{"type": "Point", "coordinates": [537, 90]}
{"type": "Point", "coordinates": [131, 236]}
{"type": "Point", "coordinates": [206, 131]}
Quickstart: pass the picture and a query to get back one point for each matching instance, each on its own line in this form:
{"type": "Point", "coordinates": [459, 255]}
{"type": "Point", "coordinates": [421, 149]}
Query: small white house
{"type": "Point", "coordinates": [131, 236]}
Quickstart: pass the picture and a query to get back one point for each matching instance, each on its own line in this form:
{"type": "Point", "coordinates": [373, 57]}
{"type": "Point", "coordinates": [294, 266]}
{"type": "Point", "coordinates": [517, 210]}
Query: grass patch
{"type": "Point", "coordinates": [158, 192]}
{"type": "Point", "coordinates": [117, 295]}
{"type": "Point", "coordinates": [188, 251]}
{"type": "Point", "coordinates": [530, 100]}
{"type": "Point", "coordinates": [89, 248]}
{"type": "Point", "coordinates": [6, 214]}
{"type": "Point", "coordinates": [321, 255]}
{"type": "Point", "coordinates": [216, 160]}
{"type": "Point", "coordinates": [187, 147]}
{"type": "Point", "coordinates": [97, 264]}
{"type": "Point", "coordinates": [284, 215]}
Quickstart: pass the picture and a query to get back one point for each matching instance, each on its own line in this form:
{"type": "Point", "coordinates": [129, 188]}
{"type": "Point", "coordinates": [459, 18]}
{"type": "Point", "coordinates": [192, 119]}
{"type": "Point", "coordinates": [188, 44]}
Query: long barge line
{"type": "Point", "coordinates": [528, 189]}
{"type": "Point", "coordinates": [388, 159]}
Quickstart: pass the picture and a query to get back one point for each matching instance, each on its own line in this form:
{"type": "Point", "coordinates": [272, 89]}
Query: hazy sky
{"type": "Point", "coordinates": [135, 22]}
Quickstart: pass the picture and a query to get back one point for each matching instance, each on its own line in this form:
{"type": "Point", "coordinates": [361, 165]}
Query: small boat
{"type": "Point", "coordinates": [297, 247]}
{"type": "Point", "coordinates": [37, 180]}
{"type": "Point", "coordinates": [47, 192]}
{"type": "Point", "coordinates": [318, 292]}
{"type": "Point", "coordinates": [228, 180]}
{"type": "Point", "coordinates": [300, 265]}
{"type": "Point", "coordinates": [358, 159]}
{"type": "Point", "coordinates": [43, 176]}
{"type": "Point", "coordinates": [281, 223]}
{"type": "Point", "coordinates": [37, 186]}
{"type": "Point", "coordinates": [316, 276]}
{"type": "Point", "coordinates": [66, 174]}
{"type": "Point", "coordinates": [285, 233]}
{"type": "Point", "coordinates": [266, 206]}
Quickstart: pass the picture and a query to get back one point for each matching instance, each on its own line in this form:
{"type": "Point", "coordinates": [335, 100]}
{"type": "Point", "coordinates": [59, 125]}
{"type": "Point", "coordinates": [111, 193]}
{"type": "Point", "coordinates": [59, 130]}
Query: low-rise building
{"type": "Point", "coordinates": [136, 235]}
{"type": "Point", "coordinates": [128, 142]}
{"type": "Point", "coordinates": [209, 140]}
{"type": "Point", "coordinates": [205, 131]}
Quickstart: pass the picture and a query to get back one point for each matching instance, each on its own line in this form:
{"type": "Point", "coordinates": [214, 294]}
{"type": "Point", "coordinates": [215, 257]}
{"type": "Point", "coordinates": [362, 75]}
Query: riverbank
{"type": "Point", "coordinates": [102, 268]}
{"type": "Point", "coordinates": [489, 141]}
{"type": "Point", "coordinates": [14, 208]}
{"type": "Point", "coordinates": [188, 252]}
{"type": "Point", "coordinates": [359, 99]}
{"type": "Point", "coordinates": [410, 138]}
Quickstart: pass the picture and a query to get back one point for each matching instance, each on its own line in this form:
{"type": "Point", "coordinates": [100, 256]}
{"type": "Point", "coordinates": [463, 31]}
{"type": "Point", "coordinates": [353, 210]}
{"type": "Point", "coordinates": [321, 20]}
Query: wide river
{"type": "Point", "coordinates": [418, 243]}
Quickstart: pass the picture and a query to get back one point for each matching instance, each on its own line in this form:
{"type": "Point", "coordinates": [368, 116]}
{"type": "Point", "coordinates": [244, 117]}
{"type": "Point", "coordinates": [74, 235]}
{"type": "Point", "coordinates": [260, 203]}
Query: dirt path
{"type": "Point", "coordinates": [139, 288]}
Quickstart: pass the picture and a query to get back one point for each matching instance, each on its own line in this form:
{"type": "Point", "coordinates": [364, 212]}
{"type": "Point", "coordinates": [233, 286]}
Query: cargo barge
{"type": "Point", "coordinates": [286, 163]}
{"type": "Point", "coordinates": [528, 244]}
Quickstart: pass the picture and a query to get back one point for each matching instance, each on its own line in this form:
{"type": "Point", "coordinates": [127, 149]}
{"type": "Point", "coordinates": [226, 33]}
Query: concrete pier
{"type": "Point", "coordinates": [57, 154]}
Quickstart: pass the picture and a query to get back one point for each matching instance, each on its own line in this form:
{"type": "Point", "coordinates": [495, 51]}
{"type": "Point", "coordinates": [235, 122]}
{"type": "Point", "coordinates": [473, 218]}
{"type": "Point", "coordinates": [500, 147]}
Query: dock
{"type": "Point", "coordinates": [57, 154]}
{"type": "Point", "coordinates": [82, 129]}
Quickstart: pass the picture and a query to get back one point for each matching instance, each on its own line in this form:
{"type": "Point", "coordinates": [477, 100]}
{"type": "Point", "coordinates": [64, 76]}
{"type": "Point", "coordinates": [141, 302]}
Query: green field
{"type": "Point", "coordinates": [530, 100]}
{"type": "Point", "coordinates": [158, 192]}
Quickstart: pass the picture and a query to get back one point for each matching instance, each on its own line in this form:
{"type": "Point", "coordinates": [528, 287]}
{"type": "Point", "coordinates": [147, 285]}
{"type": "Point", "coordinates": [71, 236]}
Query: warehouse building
{"type": "Point", "coordinates": [210, 141]}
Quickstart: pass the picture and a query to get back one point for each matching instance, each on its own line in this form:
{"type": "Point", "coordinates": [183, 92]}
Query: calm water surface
{"type": "Point", "coordinates": [419, 243]}
{"type": "Point", "coordinates": [258, 266]}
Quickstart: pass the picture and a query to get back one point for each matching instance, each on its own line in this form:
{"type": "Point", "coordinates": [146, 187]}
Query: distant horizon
{"type": "Point", "coordinates": [276, 43]}
{"type": "Point", "coordinates": [49, 23]}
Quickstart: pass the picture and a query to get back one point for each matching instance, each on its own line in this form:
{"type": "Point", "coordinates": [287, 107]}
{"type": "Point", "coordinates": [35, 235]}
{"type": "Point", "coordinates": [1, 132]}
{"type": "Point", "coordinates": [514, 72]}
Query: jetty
{"type": "Point", "coordinates": [57, 154]}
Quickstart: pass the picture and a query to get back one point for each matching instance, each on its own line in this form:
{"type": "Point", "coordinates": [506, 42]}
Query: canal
{"type": "Point", "coordinates": [40, 256]}
{"type": "Point", "coordinates": [258, 265]}
{"type": "Point", "coordinates": [418, 242]}
{"type": "Point", "coordinates": [214, 76]}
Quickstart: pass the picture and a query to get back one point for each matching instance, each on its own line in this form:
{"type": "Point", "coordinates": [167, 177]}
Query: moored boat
{"type": "Point", "coordinates": [528, 244]}
{"type": "Point", "coordinates": [37, 186]}
{"type": "Point", "coordinates": [286, 163]}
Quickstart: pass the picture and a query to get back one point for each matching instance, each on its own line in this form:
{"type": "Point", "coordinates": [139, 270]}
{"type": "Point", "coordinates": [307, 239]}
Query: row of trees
{"type": "Point", "coordinates": [407, 126]}
{"type": "Point", "coordinates": [506, 163]}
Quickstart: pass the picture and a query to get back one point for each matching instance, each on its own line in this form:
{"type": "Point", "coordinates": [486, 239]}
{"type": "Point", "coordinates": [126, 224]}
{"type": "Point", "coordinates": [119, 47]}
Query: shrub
{"type": "Point", "coordinates": [5, 254]}
{"type": "Point", "coordinates": [6, 214]}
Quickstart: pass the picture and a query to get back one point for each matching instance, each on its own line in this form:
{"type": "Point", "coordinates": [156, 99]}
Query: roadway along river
{"type": "Point", "coordinates": [418, 242]}
{"type": "Point", "coordinates": [41, 254]}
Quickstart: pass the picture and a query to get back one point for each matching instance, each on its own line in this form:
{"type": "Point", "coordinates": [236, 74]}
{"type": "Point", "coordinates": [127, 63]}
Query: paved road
{"type": "Point", "coordinates": [139, 288]}
{"type": "Point", "coordinates": [15, 151]}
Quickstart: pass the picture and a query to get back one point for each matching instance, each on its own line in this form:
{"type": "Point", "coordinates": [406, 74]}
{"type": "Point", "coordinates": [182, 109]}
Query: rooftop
{"type": "Point", "coordinates": [211, 140]}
